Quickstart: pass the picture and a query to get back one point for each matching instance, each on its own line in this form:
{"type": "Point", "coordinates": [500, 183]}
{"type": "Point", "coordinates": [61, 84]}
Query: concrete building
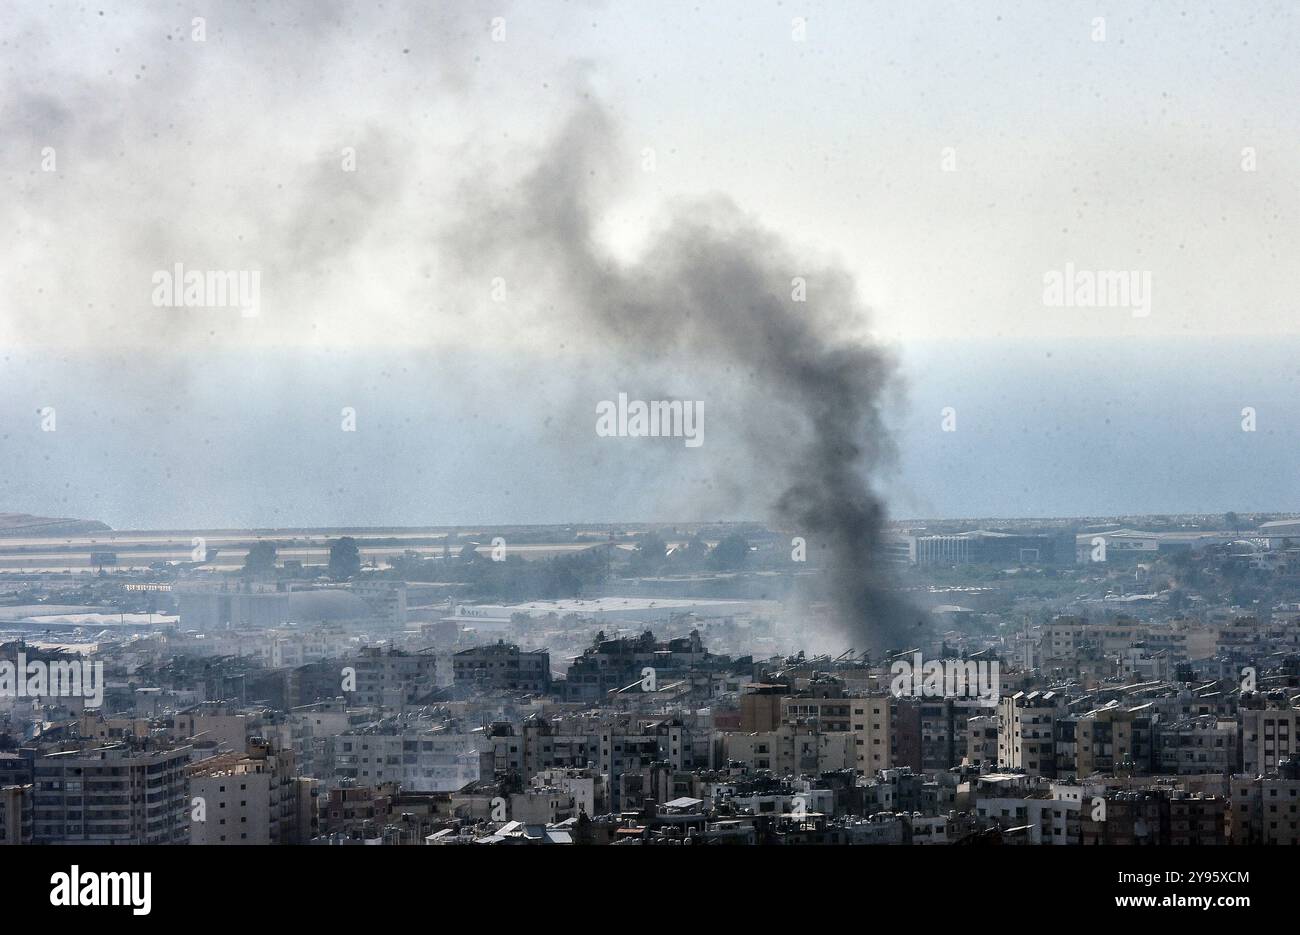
{"type": "Point", "coordinates": [1266, 809]}
{"type": "Point", "coordinates": [501, 666]}
{"type": "Point", "coordinates": [15, 815]}
{"type": "Point", "coordinates": [587, 788]}
{"type": "Point", "coordinates": [760, 706]}
{"type": "Point", "coordinates": [420, 759]}
{"type": "Point", "coordinates": [1269, 730]}
{"type": "Point", "coordinates": [111, 795]}
{"type": "Point", "coordinates": [1113, 739]}
{"type": "Point", "coordinates": [391, 678]}
{"type": "Point", "coordinates": [943, 732]}
{"type": "Point", "coordinates": [1062, 639]}
{"type": "Point", "coordinates": [207, 607]}
{"type": "Point", "coordinates": [793, 751]}
{"type": "Point", "coordinates": [386, 599]}
{"type": "Point", "coordinates": [982, 546]}
{"type": "Point", "coordinates": [1046, 820]}
{"type": "Point", "coordinates": [1195, 746]}
{"type": "Point", "coordinates": [246, 798]}
{"type": "Point", "coordinates": [312, 729]}
{"type": "Point", "coordinates": [1026, 732]}
{"type": "Point", "coordinates": [872, 722]}
{"type": "Point", "coordinates": [613, 664]}
{"type": "Point", "coordinates": [826, 714]}
{"type": "Point", "coordinates": [982, 741]}
{"type": "Point", "coordinates": [259, 606]}
{"type": "Point", "coordinates": [1156, 817]}
{"type": "Point", "coordinates": [542, 805]}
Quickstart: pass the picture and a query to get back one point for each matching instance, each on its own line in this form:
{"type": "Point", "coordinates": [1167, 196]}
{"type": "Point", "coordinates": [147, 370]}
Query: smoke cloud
{"type": "Point", "coordinates": [714, 289]}
{"type": "Point", "coordinates": [232, 153]}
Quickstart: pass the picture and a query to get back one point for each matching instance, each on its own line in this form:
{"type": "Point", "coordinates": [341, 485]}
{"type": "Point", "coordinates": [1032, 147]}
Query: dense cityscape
{"type": "Point", "coordinates": [1124, 681]}
{"type": "Point", "coordinates": [431, 427]}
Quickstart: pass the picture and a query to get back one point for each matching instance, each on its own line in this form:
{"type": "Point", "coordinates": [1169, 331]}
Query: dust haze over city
{"type": "Point", "coordinates": [606, 424]}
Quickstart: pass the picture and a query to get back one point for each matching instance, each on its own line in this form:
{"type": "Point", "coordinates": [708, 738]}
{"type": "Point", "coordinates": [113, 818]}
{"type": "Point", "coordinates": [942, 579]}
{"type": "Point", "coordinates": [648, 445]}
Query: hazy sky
{"type": "Point", "coordinates": [126, 146]}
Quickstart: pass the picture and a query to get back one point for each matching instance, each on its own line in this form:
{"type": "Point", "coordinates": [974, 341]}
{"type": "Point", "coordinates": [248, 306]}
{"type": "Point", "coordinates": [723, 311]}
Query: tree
{"type": "Point", "coordinates": [260, 558]}
{"type": "Point", "coordinates": [345, 559]}
{"type": "Point", "coordinates": [696, 551]}
{"type": "Point", "coordinates": [1232, 521]}
{"type": "Point", "coordinates": [649, 555]}
{"type": "Point", "coordinates": [730, 552]}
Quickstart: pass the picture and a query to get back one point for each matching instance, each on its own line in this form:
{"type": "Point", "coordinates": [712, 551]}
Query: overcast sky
{"type": "Point", "coordinates": [946, 155]}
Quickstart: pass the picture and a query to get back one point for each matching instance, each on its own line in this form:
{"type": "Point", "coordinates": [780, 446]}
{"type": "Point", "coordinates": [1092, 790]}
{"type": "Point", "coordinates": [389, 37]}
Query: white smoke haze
{"type": "Point", "coordinates": [228, 154]}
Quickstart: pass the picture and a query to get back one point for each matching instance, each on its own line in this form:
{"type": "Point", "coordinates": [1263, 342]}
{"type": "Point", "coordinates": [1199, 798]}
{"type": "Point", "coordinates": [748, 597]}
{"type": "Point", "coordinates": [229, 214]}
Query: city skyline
{"type": "Point", "coordinates": [586, 424]}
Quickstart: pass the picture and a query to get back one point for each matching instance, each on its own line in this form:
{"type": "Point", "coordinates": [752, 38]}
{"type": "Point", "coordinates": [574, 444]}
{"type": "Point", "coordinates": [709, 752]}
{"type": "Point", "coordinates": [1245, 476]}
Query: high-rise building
{"type": "Point", "coordinates": [502, 666]}
{"type": "Point", "coordinates": [246, 798]}
{"type": "Point", "coordinates": [1269, 730]}
{"type": "Point", "coordinates": [117, 794]}
{"type": "Point", "coordinates": [15, 815]}
{"type": "Point", "coordinates": [1026, 732]}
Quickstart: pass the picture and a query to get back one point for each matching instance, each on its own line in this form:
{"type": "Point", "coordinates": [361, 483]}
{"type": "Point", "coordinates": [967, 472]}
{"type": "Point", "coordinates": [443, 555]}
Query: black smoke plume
{"type": "Point", "coordinates": [714, 288]}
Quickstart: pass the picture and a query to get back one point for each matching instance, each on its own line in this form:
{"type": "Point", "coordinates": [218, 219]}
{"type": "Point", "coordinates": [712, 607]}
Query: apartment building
{"type": "Point", "coordinates": [760, 706]}
{"type": "Point", "coordinates": [611, 664]}
{"type": "Point", "coordinates": [898, 789]}
{"type": "Point", "coordinates": [1269, 730]}
{"type": "Point", "coordinates": [982, 741]}
{"type": "Point", "coordinates": [536, 745]}
{"type": "Point", "coordinates": [1114, 739]}
{"type": "Point", "coordinates": [501, 666]}
{"type": "Point", "coordinates": [217, 723]}
{"type": "Point", "coordinates": [1266, 809]}
{"type": "Point", "coordinates": [943, 725]}
{"type": "Point", "coordinates": [542, 805]}
{"type": "Point", "coordinates": [1156, 816]}
{"type": "Point", "coordinates": [871, 723]}
{"type": "Point", "coordinates": [827, 714]}
{"type": "Point", "coordinates": [312, 729]}
{"type": "Point", "coordinates": [1063, 638]}
{"type": "Point", "coordinates": [1197, 819]}
{"type": "Point", "coordinates": [1048, 820]}
{"type": "Point", "coordinates": [247, 798]}
{"type": "Point", "coordinates": [588, 788]}
{"type": "Point", "coordinates": [1026, 732]}
{"type": "Point", "coordinates": [1198, 745]}
{"type": "Point", "coordinates": [15, 815]}
{"type": "Point", "coordinates": [390, 678]}
{"type": "Point", "coordinates": [793, 751]}
{"type": "Point", "coordinates": [386, 599]}
{"type": "Point", "coordinates": [419, 758]}
{"type": "Point", "coordinates": [120, 794]}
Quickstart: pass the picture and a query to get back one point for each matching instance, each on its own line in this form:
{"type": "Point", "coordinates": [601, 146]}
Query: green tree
{"type": "Point", "coordinates": [345, 559]}
{"type": "Point", "coordinates": [260, 558]}
{"type": "Point", "coordinates": [696, 551]}
{"type": "Point", "coordinates": [649, 555]}
{"type": "Point", "coordinates": [730, 552]}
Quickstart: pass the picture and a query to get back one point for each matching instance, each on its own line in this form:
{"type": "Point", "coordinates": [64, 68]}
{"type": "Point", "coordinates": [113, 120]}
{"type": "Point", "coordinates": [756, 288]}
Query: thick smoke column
{"type": "Point", "coordinates": [715, 289]}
